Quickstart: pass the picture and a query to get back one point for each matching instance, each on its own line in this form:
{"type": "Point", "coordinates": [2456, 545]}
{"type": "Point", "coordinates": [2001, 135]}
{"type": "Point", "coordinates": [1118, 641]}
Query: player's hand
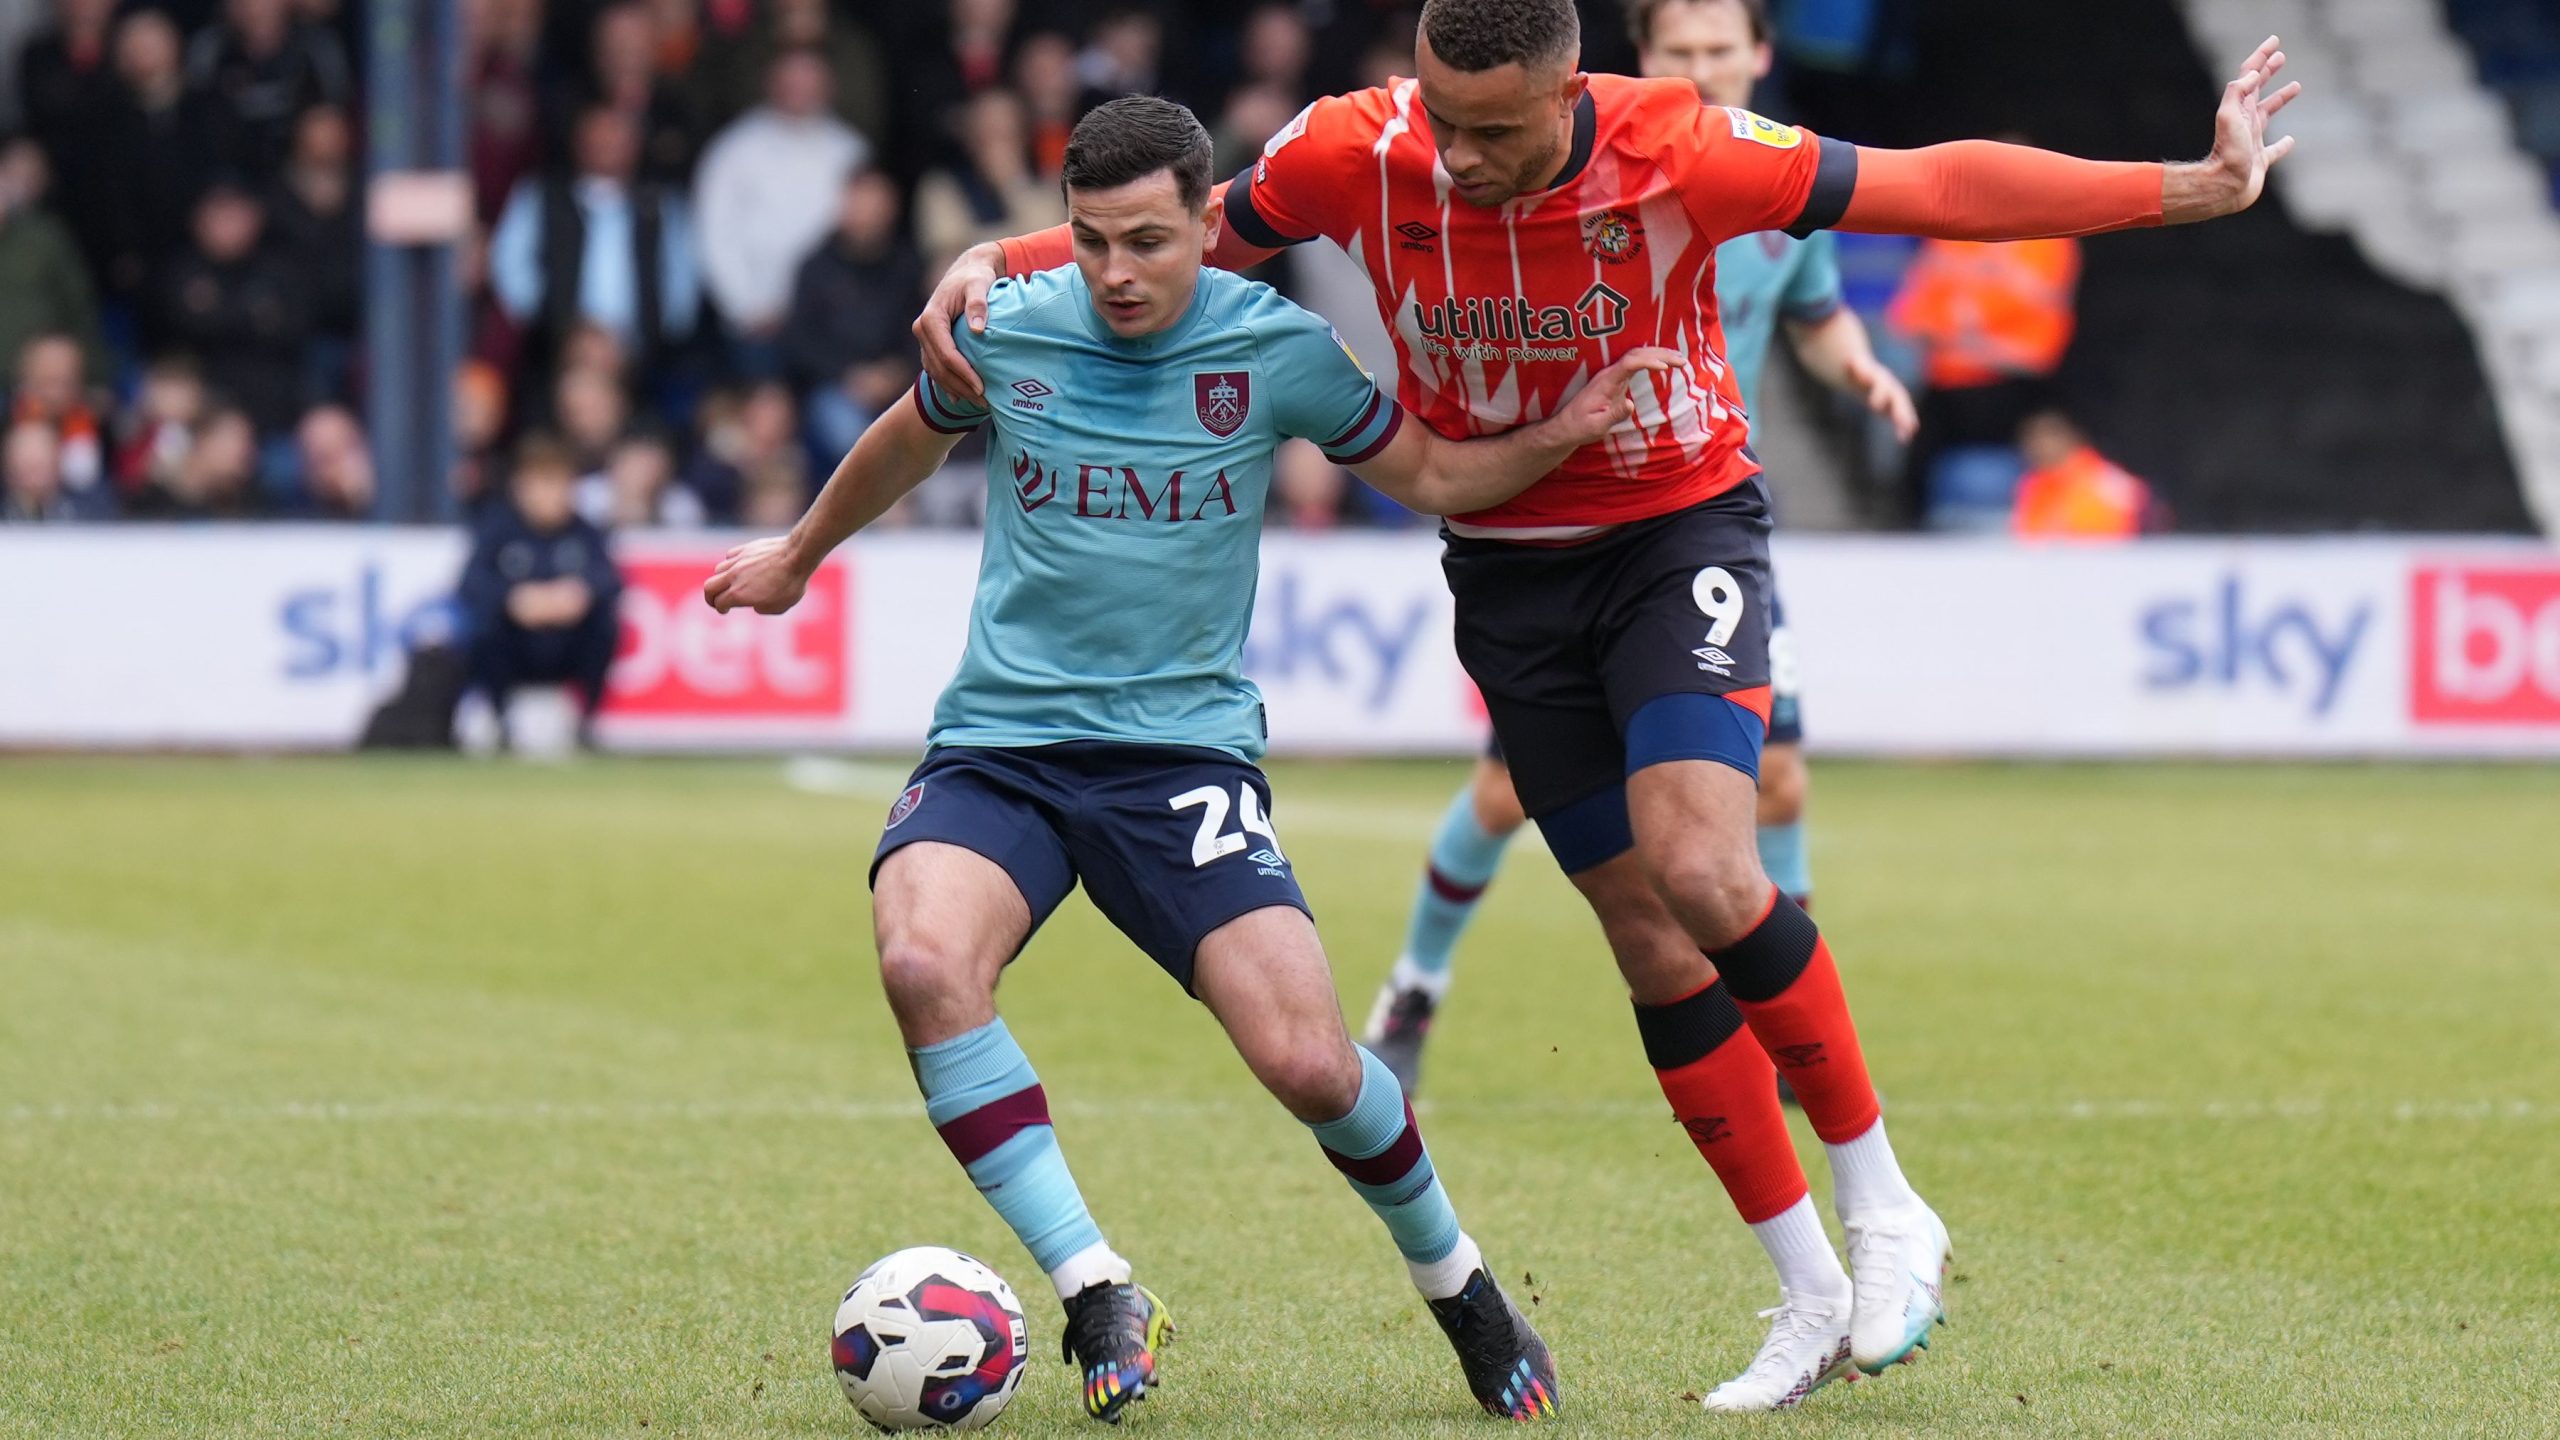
{"type": "Point", "coordinates": [1602, 405]}
{"type": "Point", "coordinates": [1885, 395]}
{"type": "Point", "coordinates": [962, 293]}
{"type": "Point", "coordinates": [2235, 174]}
{"type": "Point", "coordinates": [761, 575]}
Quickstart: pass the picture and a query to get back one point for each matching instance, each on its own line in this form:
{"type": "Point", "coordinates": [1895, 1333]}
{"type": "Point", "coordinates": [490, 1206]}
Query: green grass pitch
{"type": "Point", "coordinates": [437, 1099]}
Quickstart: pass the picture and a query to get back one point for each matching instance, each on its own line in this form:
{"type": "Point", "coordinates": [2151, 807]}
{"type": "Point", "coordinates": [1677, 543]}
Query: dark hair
{"type": "Point", "coordinates": [1479, 35]}
{"type": "Point", "coordinates": [1135, 136]}
{"type": "Point", "coordinates": [1640, 14]}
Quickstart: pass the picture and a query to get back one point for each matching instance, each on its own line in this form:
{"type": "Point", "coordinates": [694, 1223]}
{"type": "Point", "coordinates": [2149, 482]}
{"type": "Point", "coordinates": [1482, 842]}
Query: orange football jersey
{"type": "Point", "coordinates": [1500, 313]}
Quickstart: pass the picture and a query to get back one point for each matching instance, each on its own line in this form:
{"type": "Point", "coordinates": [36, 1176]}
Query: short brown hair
{"type": "Point", "coordinates": [542, 451]}
{"type": "Point", "coordinates": [1132, 138]}
{"type": "Point", "coordinates": [1480, 35]}
{"type": "Point", "coordinates": [1640, 15]}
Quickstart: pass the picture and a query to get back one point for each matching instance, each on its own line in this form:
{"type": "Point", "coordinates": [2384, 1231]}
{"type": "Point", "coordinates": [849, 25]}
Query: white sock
{"type": "Point", "coordinates": [1409, 976]}
{"type": "Point", "coordinates": [1439, 1279]}
{"type": "Point", "coordinates": [1807, 1265]}
{"type": "Point", "coordinates": [1095, 1264]}
{"type": "Point", "coordinates": [1865, 1178]}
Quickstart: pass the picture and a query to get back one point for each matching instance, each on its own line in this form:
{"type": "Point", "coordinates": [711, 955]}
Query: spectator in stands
{"type": "Point", "coordinates": [992, 191]}
{"type": "Point", "coordinates": [44, 287]}
{"type": "Point", "coordinates": [540, 588]}
{"type": "Point", "coordinates": [574, 247]}
{"type": "Point", "coordinates": [1254, 114]}
{"type": "Point", "coordinates": [642, 475]}
{"type": "Point", "coordinates": [766, 195]}
{"type": "Point", "coordinates": [1275, 50]}
{"type": "Point", "coordinates": [262, 65]}
{"type": "Point", "coordinates": [593, 415]}
{"type": "Point", "coordinates": [1045, 76]}
{"type": "Point", "coordinates": [1313, 491]}
{"type": "Point", "coordinates": [623, 76]}
{"type": "Point", "coordinates": [957, 59]}
{"type": "Point", "coordinates": [337, 466]}
{"type": "Point", "coordinates": [160, 426]}
{"type": "Point", "coordinates": [776, 494]}
{"type": "Point", "coordinates": [1121, 56]}
{"type": "Point", "coordinates": [312, 222]}
{"type": "Point", "coordinates": [479, 420]}
{"type": "Point", "coordinates": [51, 390]}
{"type": "Point", "coordinates": [2071, 492]}
{"type": "Point", "coordinates": [733, 73]}
{"type": "Point", "coordinates": [749, 441]}
{"type": "Point", "coordinates": [217, 479]}
{"type": "Point", "coordinates": [158, 149]}
{"type": "Point", "coordinates": [67, 89]}
{"type": "Point", "coordinates": [239, 310]}
{"type": "Point", "coordinates": [1993, 322]}
{"type": "Point", "coordinates": [31, 488]}
{"type": "Point", "coordinates": [848, 343]}
{"type": "Point", "coordinates": [500, 87]}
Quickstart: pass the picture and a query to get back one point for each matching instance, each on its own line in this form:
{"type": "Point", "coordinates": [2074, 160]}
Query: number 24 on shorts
{"type": "Point", "coordinates": [1211, 801]}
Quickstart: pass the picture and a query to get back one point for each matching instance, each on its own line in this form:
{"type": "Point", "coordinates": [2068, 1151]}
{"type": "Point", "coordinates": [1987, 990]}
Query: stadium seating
{"type": "Point", "coordinates": [2433, 145]}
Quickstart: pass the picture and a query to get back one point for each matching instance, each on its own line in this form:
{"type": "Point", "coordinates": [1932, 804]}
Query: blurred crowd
{"type": "Point", "coordinates": [702, 228]}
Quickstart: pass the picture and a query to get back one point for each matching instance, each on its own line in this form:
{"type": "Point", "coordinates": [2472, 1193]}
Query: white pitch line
{"type": "Point", "coordinates": [623, 1112]}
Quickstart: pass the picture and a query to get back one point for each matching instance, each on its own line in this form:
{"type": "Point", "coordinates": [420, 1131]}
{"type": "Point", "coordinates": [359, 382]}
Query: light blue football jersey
{"type": "Point", "coordinates": [1126, 481]}
{"type": "Point", "coordinates": [1763, 279]}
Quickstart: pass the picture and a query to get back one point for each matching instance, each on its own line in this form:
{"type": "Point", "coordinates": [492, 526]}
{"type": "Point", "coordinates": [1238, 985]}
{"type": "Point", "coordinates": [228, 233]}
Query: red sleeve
{"type": "Point", "coordinates": [1979, 190]}
{"type": "Point", "coordinates": [1040, 250]}
{"type": "Point", "coordinates": [1298, 187]}
{"type": "Point", "coordinates": [1741, 173]}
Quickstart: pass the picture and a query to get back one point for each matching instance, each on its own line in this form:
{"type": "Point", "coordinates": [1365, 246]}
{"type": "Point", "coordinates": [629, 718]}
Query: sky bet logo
{"type": "Point", "coordinates": [2237, 641]}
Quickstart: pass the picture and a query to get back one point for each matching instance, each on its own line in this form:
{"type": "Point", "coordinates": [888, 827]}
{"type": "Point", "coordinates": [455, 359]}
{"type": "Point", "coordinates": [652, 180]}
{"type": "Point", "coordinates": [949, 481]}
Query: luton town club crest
{"type": "Point", "coordinates": [1223, 397]}
{"type": "Point", "coordinates": [1613, 237]}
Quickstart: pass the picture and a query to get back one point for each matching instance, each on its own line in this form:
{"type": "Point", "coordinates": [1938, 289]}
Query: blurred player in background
{"type": "Point", "coordinates": [1523, 222]}
{"type": "Point", "coordinates": [1100, 728]}
{"type": "Point", "coordinates": [1723, 48]}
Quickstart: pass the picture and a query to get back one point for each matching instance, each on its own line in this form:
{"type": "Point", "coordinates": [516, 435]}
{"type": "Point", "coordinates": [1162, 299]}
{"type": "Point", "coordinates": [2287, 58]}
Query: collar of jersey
{"type": "Point", "coordinates": [1100, 329]}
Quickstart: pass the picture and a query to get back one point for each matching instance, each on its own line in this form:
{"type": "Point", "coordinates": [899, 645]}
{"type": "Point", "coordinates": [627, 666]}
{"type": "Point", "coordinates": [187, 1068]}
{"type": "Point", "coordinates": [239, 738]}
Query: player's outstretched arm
{"type": "Point", "coordinates": [1836, 351]}
{"type": "Point", "coordinates": [961, 294]}
{"type": "Point", "coordinates": [892, 457]}
{"type": "Point", "coordinates": [1436, 476]}
{"type": "Point", "coordinates": [1978, 190]}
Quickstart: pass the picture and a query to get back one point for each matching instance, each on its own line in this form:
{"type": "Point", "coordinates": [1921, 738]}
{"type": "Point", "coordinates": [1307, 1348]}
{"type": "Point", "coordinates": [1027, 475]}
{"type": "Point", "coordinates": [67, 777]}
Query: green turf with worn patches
{"type": "Point", "coordinates": [437, 1099]}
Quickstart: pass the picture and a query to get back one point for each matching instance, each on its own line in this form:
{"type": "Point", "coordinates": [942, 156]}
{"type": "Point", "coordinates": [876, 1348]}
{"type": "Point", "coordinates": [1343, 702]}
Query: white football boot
{"type": "Point", "coordinates": [1807, 1348]}
{"type": "Point", "coordinates": [1898, 1266]}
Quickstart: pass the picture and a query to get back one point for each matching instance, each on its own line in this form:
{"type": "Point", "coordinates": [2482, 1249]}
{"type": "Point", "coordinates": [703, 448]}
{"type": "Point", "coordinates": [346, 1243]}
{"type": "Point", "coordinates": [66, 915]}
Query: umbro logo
{"type": "Point", "coordinates": [1712, 659]}
{"type": "Point", "coordinates": [1266, 856]}
{"type": "Point", "coordinates": [1417, 236]}
{"type": "Point", "coordinates": [1798, 1057]}
{"type": "Point", "coordinates": [1707, 1129]}
{"type": "Point", "coordinates": [1030, 393]}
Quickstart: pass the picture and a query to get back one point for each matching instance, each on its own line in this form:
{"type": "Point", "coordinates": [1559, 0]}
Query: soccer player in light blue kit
{"type": "Point", "coordinates": [1100, 729]}
{"type": "Point", "coordinates": [1762, 281]}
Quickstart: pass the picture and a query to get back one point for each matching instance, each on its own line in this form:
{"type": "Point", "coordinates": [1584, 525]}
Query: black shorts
{"type": "Point", "coordinates": [1649, 643]}
{"type": "Point", "coordinates": [1786, 688]}
{"type": "Point", "coordinates": [1171, 841]}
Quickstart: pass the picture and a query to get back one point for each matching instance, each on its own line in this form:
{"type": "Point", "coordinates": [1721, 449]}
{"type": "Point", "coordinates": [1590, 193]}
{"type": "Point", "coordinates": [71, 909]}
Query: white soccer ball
{"type": "Point", "coordinates": [929, 1338]}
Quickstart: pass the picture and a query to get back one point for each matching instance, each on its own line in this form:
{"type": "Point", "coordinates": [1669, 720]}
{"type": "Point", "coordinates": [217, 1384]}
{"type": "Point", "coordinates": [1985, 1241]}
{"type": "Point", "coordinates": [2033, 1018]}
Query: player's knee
{"type": "Point", "coordinates": [1315, 1082]}
{"type": "Point", "coordinates": [922, 974]}
{"type": "Point", "coordinates": [1718, 894]}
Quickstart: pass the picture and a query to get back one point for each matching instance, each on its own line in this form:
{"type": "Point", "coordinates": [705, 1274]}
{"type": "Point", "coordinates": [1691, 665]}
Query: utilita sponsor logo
{"type": "Point", "coordinates": [2485, 645]}
{"type": "Point", "coordinates": [681, 658]}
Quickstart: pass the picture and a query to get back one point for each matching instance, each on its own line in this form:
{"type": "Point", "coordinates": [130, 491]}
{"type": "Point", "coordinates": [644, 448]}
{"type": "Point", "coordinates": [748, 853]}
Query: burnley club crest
{"type": "Point", "coordinates": [1223, 397]}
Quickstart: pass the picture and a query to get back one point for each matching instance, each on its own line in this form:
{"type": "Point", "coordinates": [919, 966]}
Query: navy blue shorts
{"type": "Point", "coordinates": [1786, 683]}
{"type": "Point", "coordinates": [1171, 841]}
